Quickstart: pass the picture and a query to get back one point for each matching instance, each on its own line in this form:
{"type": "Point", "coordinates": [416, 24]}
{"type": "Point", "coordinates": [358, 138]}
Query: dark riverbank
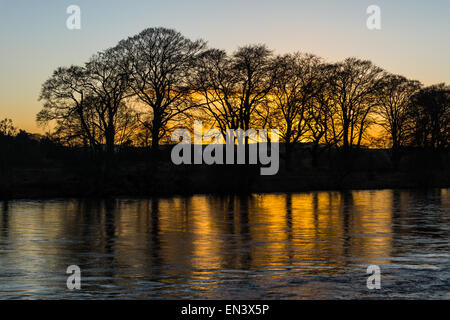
{"type": "Point", "coordinates": [44, 170]}
{"type": "Point", "coordinates": [53, 186]}
{"type": "Point", "coordinates": [140, 180]}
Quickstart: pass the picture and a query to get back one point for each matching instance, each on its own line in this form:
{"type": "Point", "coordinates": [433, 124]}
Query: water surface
{"type": "Point", "coordinates": [314, 245]}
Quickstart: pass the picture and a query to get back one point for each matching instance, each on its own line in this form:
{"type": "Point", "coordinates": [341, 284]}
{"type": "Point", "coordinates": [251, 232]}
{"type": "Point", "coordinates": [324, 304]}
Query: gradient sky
{"type": "Point", "coordinates": [414, 40]}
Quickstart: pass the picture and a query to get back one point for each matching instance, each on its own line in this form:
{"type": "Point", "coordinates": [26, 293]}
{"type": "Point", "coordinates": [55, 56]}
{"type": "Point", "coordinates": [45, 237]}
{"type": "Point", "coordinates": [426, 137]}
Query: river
{"type": "Point", "coordinates": [314, 245]}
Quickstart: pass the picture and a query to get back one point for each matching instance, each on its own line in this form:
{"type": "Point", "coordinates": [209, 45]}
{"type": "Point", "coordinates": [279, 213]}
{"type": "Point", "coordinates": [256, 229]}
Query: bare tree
{"type": "Point", "coordinates": [321, 116]}
{"type": "Point", "coordinates": [430, 111]}
{"type": "Point", "coordinates": [394, 100]}
{"type": "Point", "coordinates": [296, 84]}
{"type": "Point", "coordinates": [7, 128]}
{"type": "Point", "coordinates": [68, 102]}
{"type": "Point", "coordinates": [353, 87]}
{"type": "Point", "coordinates": [160, 62]}
{"type": "Point", "coordinates": [87, 103]}
{"type": "Point", "coordinates": [109, 84]}
{"type": "Point", "coordinates": [74, 130]}
{"type": "Point", "coordinates": [235, 88]}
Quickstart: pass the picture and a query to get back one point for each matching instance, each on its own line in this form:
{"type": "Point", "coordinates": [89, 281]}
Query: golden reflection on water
{"type": "Point", "coordinates": [202, 239]}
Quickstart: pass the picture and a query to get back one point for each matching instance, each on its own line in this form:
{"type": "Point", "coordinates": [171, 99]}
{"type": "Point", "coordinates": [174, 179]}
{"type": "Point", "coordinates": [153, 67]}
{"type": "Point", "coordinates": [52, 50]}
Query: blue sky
{"type": "Point", "coordinates": [413, 41]}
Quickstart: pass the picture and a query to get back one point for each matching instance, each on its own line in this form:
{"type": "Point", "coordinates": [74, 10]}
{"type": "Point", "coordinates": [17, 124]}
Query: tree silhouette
{"type": "Point", "coordinates": [109, 84]}
{"type": "Point", "coordinates": [430, 111]}
{"type": "Point", "coordinates": [159, 62]}
{"type": "Point", "coordinates": [394, 102]}
{"type": "Point", "coordinates": [7, 128]}
{"type": "Point", "coordinates": [87, 104]}
{"type": "Point", "coordinates": [235, 88]}
{"type": "Point", "coordinates": [354, 83]}
{"type": "Point", "coordinates": [321, 115]}
{"type": "Point", "coordinates": [151, 83]}
{"type": "Point", "coordinates": [296, 84]}
{"type": "Point", "coordinates": [68, 102]}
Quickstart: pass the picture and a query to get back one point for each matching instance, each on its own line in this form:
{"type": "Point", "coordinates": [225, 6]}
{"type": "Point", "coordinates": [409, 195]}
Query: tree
{"type": "Point", "coordinates": [159, 62]}
{"type": "Point", "coordinates": [296, 84]}
{"type": "Point", "coordinates": [109, 85]}
{"type": "Point", "coordinates": [7, 128]}
{"type": "Point", "coordinates": [235, 88]}
{"type": "Point", "coordinates": [430, 111]}
{"type": "Point", "coordinates": [353, 87]}
{"type": "Point", "coordinates": [87, 103]}
{"type": "Point", "coordinates": [394, 100]}
{"type": "Point", "coordinates": [67, 101]}
{"type": "Point", "coordinates": [321, 116]}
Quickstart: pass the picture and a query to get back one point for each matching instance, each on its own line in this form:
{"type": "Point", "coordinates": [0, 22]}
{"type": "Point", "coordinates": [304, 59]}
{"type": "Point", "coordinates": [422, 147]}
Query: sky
{"type": "Point", "coordinates": [413, 41]}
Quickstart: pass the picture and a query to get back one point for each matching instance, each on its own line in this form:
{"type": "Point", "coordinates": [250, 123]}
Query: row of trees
{"type": "Point", "coordinates": [149, 84]}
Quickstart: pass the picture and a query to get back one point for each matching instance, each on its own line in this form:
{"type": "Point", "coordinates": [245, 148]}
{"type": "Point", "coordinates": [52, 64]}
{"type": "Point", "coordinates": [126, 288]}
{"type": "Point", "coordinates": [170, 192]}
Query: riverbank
{"type": "Point", "coordinates": [136, 181]}
{"type": "Point", "coordinates": [74, 173]}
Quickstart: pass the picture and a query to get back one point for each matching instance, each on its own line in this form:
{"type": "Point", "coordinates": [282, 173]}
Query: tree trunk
{"type": "Point", "coordinates": [314, 155]}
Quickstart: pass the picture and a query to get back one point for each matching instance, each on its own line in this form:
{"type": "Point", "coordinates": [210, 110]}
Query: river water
{"type": "Point", "coordinates": [314, 245]}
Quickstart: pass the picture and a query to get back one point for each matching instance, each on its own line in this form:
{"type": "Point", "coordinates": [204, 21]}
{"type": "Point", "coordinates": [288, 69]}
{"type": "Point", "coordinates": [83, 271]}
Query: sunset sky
{"type": "Point", "coordinates": [413, 41]}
